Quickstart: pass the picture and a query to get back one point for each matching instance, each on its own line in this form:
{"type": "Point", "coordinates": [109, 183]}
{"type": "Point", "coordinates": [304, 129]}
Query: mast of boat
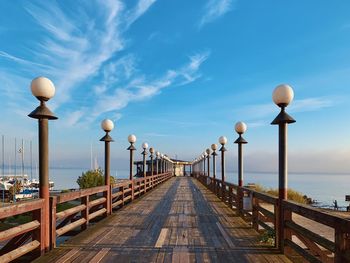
{"type": "Point", "coordinates": [3, 168]}
{"type": "Point", "coordinates": [15, 159]}
{"type": "Point", "coordinates": [21, 150]}
{"type": "Point", "coordinates": [31, 162]}
{"type": "Point", "coordinates": [91, 165]}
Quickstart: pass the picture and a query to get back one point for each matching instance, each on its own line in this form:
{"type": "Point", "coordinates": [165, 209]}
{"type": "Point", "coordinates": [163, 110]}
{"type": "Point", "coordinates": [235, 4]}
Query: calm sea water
{"type": "Point", "coordinates": [324, 188]}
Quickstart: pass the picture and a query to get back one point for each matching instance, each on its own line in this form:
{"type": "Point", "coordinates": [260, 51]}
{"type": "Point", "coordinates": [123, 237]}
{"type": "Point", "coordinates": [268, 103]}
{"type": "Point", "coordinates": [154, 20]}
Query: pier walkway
{"type": "Point", "coordinates": [180, 221]}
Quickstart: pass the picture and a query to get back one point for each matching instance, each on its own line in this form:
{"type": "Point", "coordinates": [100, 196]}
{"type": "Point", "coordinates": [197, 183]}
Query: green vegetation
{"type": "Point", "coordinates": [267, 237]}
{"type": "Point", "coordinates": [92, 178]}
{"type": "Point", "coordinates": [292, 194]}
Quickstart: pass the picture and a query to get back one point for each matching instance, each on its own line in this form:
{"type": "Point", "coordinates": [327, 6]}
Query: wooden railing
{"type": "Point", "coordinates": [297, 240]}
{"type": "Point", "coordinates": [26, 237]}
{"type": "Point", "coordinates": [69, 212]}
{"type": "Point", "coordinates": [88, 204]}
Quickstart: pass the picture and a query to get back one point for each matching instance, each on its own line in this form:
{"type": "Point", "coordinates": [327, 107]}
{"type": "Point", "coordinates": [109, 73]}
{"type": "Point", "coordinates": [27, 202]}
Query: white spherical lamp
{"type": "Point", "coordinates": [132, 138]}
{"type": "Point", "coordinates": [151, 150]}
{"type": "Point", "coordinates": [208, 151]}
{"type": "Point", "coordinates": [107, 125]}
{"type": "Point", "coordinates": [222, 140]}
{"type": "Point", "coordinates": [283, 95]}
{"type": "Point", "coordinates": [42, 88]}
{"type": "Point", "coordinates": [214, 147]}
{"type": "Point", "coordinates": [240, 127]}
{"type": "Point", "coordinates": [145, 145]}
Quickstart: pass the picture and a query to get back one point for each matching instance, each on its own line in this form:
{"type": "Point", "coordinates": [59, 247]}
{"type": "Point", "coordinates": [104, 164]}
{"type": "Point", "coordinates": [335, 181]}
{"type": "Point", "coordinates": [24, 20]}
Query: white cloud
{"type": "Point", "coordinates": [215, 9]}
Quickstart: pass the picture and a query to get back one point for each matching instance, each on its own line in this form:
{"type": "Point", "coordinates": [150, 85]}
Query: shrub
{"type": "Point", "coordinates": [92, 178]}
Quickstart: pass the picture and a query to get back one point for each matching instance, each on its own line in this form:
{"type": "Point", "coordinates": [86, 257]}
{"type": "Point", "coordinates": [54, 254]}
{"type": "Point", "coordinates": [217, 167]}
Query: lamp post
{"type": "Point", "coordinates": [240, 128]}
{"type": "Point", "coordinates": [151, 150]}
{"type": "Point", "coordinates": [144, 153]}
{"type": "Point", "coordinates": [162, 162]}
{"type": "Point", "coordinates": [132, 140]}
{"type": "Point", "coordinates": [223, 141]}
{"type": "Point", "coordinates": [204, 159]}
{"type": "Point", "coordinates": [43, 89]}
{"type": "Point", "coordinates": [208, 152]}
{"type": "Point", "coordinates": [107, 125]}
{"type": "Point", "coordinates": [282, 96]}
{"type": "Point", "coordinates": [214, 154]}
{"type": "Point", "coordinates": [157, 164]}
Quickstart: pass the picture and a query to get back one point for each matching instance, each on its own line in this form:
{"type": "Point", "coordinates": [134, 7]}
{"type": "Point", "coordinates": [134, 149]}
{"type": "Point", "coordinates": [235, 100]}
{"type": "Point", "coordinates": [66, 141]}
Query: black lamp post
{"type": "Point", "coordinates": [223, 141]}
{"type": "Point", "coordinates": [208, 160]}
{"type": "Point", "coordinates": [43, 89]}
{"type": "Point", "coordinates": [144, 153]}
{"type": "Point", "coordinates": [157, 163]}
{"type": "Point", "coordinates": [240, 128]}
{"type": "Point", "coordinates": [282, 96]}
{"type": "Point", "coordinates": [107, 125]}
{"type": "Point", "coordinates": [151, 150]}
{"type": "Point", "coordinates": [214, 154]}
{"type": "Point", "coordinates": [132, 140]}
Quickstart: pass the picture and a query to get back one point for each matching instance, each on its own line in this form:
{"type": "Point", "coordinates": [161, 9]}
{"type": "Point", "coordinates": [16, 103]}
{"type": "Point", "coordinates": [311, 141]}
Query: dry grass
{"type": "Point", "coordinates": [292, 194]}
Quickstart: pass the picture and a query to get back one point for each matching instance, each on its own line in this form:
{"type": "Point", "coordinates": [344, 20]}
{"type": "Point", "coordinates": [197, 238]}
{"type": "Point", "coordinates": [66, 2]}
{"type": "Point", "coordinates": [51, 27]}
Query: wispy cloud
{"type": "Point", "coordinates": [141, 88]}
{"type": "Point", "coordinates": [255, 113]}
{"type": "Point", "coordinates": [215, 9]}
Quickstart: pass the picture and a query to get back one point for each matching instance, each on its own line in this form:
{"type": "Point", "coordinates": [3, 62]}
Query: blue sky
{"type": "Point", "coordinates": [179, 74]}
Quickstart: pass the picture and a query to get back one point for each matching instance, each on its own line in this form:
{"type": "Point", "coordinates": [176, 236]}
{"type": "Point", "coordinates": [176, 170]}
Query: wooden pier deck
{"type": "Point", "coordinates": [180, 221]}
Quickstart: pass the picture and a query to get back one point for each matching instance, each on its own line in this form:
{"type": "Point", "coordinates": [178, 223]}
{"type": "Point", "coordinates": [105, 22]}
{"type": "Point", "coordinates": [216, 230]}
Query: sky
{"type": "Point", "coordinates": [178, 75]}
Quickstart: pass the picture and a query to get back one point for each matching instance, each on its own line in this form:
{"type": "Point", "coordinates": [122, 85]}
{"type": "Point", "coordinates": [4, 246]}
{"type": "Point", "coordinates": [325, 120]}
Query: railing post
{"type": "Point", "coordinates": [53, 207]}
{"type": "Point", "coordinates": [85, 212]}
{"type": "Point", "coordinates": [132, 190]}
{"type": "Point", "coordinates": [255, 212]}
{"type": "Point", "coordinates": [39, 233]}
{"type": "Point", "coordinates": [230, 199]}
{"type": "Point", "coordinates": [123, 193]}
{"type": "Point", "coordinates": [342, 244]}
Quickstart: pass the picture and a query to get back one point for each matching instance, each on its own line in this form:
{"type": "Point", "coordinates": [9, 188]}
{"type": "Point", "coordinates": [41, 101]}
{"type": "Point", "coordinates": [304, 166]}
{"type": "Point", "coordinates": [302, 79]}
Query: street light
{"type": "Point", "coordinates": [131, 140]}
{"type": "Point", "coordinates": [144, 153]}
{"type": "Point", "coordinates": [107, 125]}
{"type": "Point", "coordinates": [282, 96]}
{"type": "Point", "coordinates": [208, 159]}
{"type": "Point", "coordinates": [214, 147]}
{"type": "Point", "coordinates": [223, 141]}
{"type": "Point", "coordinates": [240, 128]}
{"type": "Point", "coordinates": [162, 162]}
{"type": "Point", "coordinates": [43, 89]}
{"type": "Point", "coordinates": [151, 150]}
{"type": "Point", "coordinates": [157, 164]}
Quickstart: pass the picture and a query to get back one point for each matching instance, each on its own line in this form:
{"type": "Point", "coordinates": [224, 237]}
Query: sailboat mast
{"type": "Point", "coordinates": [3, 168]}
{"type": "Point", "coordinates": [31, 162]}
{"type": "Point", "coordinates": [22, 155]}
{"type": "Point", "coordinates": [15, 158]}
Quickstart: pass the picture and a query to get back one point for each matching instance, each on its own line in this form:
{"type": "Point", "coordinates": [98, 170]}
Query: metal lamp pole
{"type": "Point", "coordinates": [132, 140]}
{"type": "Point", "coordinates": [144, 153]}
{"type": "Point", "coordinates": [43, 89]}
{"type": "Point", "coordinates": [223, 141]}
{"type": "Point", "coordinates": [214, 154]}
{"type": "Point", "coordinates": [151, 150]}
{"type": "Point", "coordinates": [282, 96]}
{"type": "Point", "coordinates": [240, 128]}
{"type": "Point", "coordinates": [107, 125]}
{"type": "Point", "coordinates": [208, 160]}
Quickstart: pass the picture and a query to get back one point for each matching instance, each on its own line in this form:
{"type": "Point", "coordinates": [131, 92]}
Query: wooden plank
{"type": "Point", "coordinates": [62, 198]}
{"type": "Point", "coordinates": [18, 252]}
{"type": "Point", "coordinates": [97, 202]}
{"type": "Point", "coordinates": [18, 230]}
{"type": "Point", "coordinates": [161, 238]}
{"type": "Point", "coordinates": [21, 208]}
{"type": "Point", "coordinates": [97, 213]}
{"type": "Point", "coordinates": [70, 211]}
{"type": "Point", "coordinates": [61, 231]}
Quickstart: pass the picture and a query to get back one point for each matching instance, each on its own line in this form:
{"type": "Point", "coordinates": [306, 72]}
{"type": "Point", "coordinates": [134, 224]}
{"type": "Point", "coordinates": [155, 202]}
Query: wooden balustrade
{"type": "Point", "coordinates": [25, 238]}
{"type": "Point", "coordinates": [82, 207]}
{"type": "Point", "coordinates": [312, 246]}
{"type": "Point", "coordinates": [296, 238]}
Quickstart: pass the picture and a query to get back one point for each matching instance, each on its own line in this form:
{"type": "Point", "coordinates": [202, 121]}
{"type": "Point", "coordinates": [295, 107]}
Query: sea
{"type": "Point", "coordinates": [323, 188]}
